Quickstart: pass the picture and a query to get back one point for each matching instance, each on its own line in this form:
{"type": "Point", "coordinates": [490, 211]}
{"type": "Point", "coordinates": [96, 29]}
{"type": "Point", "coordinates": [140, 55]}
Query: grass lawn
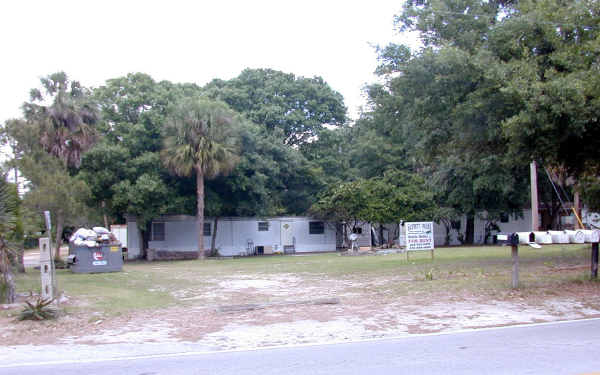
{"type": "Point", "coordinates": [475, 270]}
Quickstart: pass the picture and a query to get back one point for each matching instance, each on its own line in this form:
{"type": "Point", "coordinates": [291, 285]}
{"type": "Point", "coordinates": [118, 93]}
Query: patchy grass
{"type": "Point", "coordinates": [472, 270]}
{"type": "Point", "coordinates": [463, 287]}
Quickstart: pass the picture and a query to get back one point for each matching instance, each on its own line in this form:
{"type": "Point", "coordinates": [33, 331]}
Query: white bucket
{"type": "Point", "coordinates": [559, 236]}
{"type": "Point", "coordinates": [591, 235]}
{"type": "Point", "coordinates": [575, 236]}
{"type": "Point", "coordinates": [543, 238]}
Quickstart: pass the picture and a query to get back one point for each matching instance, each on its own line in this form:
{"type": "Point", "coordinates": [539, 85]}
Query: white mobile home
{"type": "Point", "coordinates": [173, 235]}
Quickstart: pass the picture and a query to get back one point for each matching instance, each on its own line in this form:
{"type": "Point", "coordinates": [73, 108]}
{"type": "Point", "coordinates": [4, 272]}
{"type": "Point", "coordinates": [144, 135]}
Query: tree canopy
{"type": "Point", "coordinates": [448, 131]}
{"type": "Point", "coordinates": [299, 107]}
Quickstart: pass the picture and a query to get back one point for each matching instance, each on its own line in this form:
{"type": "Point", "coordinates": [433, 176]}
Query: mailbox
{"type": "Point", "coordinates": [511, 239]}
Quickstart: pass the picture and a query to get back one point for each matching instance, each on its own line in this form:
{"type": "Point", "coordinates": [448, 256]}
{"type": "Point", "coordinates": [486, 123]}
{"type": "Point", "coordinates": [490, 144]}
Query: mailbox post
{"type": "Point", "coordinates": [595, 260]}
{"type": "Point", "coordinates": [515, 265]}
{"type": "Point", "coordinates": [511, 239]}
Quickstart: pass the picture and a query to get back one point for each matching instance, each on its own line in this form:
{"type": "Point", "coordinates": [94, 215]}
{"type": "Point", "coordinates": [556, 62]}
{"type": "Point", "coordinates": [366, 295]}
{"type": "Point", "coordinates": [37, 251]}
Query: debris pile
{"type": "Point", "coordinates": [92, 237]}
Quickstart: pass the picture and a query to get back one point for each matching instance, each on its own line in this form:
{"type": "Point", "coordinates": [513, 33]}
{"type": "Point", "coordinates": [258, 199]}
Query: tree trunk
{"type": "Point", "coordinates": [470, 230]}
{"type": "Point", "coordinates": [392, 235]}
{"type": "Point", "coordinates": [7, 276]}
{"type": "Point", "coordinates": [21, 258]}
{"type": "Point", "coordinates": [145, 236]}
{"type": "Point", "coordinates": [200, 210]}
{"type": "Point", "coordinates": [447, 226]}
{"type": "Point", "coordinates": [381, 242]}
{"type": "Point", "coordinates": [60, 223]}
{"type": "Point", "coordinates": [104, 214]}
{"type": "Point", "coordinates": [213, 247]}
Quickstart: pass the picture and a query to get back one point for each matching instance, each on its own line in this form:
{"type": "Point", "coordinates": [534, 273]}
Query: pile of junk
{"type": "Point", "coordinates": [94, 250]}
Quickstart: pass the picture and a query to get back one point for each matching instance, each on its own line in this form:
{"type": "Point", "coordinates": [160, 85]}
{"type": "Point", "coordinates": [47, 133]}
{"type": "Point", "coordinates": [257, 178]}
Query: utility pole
{"type": "Point", "coordinates": [535, 210]}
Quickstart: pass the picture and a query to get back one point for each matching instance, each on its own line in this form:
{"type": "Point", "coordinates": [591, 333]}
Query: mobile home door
{"type": "Point", "coordinates": [287, 234]}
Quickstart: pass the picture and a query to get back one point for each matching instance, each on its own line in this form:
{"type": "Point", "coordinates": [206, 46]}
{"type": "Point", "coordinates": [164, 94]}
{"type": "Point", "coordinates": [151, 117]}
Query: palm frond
{"type": "Point", "coordinates": [201, 133]}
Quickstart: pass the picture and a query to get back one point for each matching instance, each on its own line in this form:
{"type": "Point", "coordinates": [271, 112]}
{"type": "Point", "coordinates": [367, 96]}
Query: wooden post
{"type": "Point", "coordinates": [515, 266]}
{"type": "Point", "coordinates": [595, 260]}
{"type": "Point", "coordinates": [535, 211]}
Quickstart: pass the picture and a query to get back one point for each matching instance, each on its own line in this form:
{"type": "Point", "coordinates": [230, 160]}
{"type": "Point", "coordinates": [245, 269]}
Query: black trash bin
{"type": "Point", "coordinates": [105, 257]}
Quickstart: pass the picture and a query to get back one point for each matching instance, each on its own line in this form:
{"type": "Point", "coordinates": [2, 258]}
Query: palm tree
{"type": "Point", "coordinates": [7, 231]}
{"type": "Point", "coordinates": [63, 117]}
{"type": "Point", "coordinates": [66, 126]}
{"type": "Point", "coordinates": [201, 138]}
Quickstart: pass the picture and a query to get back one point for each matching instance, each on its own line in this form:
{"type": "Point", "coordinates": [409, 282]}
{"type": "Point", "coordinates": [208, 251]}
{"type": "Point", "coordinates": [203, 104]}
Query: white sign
{"type": "Point", "coordinates": [419, 236]}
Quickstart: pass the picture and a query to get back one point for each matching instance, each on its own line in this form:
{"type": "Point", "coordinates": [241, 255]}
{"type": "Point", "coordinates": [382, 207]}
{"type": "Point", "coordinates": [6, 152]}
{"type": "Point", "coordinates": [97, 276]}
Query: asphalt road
{"type": "Point", "coordinates": [554, 348]}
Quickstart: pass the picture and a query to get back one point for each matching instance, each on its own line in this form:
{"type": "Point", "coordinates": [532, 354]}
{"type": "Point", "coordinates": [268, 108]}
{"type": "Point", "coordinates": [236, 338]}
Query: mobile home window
{"type": "Point", "coordinates": [263, 226]}
{"type": "Point", "coordinates": [504, 217]}
{"type": "Point", "coordinates": [206, 229]}
{"type": "Point", "coordinates": [158, 231]}
{"type": "Point", "coordinates": [316, 227]}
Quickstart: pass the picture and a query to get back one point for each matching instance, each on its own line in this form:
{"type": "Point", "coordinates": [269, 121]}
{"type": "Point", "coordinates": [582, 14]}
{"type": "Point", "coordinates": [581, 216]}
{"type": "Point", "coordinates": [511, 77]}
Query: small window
{"type": "Point", "coordinates": [455, 224]}
{"type": "Point", "coordinates": [207, 229]}
{"type": "Point", "coordinates": [504, 218]}
{"type": "Point", "coordinates": [316, 227]}
{"type": "Point", "coordinates": [158, 231]}
{"type": "Point", "coordinates": [263, 226]}
{"type": "Point", "coordinates": [357, 230]}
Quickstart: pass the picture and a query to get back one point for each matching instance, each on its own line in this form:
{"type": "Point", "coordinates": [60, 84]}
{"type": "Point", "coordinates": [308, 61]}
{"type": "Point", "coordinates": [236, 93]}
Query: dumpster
{"type": "Point", "coordinates": [103, 254]}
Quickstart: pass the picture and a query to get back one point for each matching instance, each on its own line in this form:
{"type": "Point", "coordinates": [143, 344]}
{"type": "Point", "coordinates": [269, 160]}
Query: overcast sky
{"type": "Point", "coordinates": [190, 41]}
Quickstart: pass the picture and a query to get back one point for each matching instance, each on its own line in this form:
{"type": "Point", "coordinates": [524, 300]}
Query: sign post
{"type": "Point", "coordinates": [419, 237]}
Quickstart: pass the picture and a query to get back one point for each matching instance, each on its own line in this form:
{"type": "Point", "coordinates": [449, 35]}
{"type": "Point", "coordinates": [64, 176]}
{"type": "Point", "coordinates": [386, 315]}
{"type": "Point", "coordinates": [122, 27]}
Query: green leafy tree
{"type": "Point", "coordinates": [458, 23]}
{"type": "Point", "coordinates": [394, 197]}
{"type": "Point", "coordinates": [201, 139]}
{"type": "Point", "coordinates": [531, 77]}
{"type": "Point", "coordinates": [52, 188]}
{"type": "Point", "coordinates": [124, 169]}
{"type": "Point", "coordinates": [270, 179]}
{"type": "Point", "coordinates": [298, 106]}
{"type": "Point", "coordinates": [444, 107]}
{"type": "Point", "coordinates": [552, 69]}
{"type": "Point", "coordinates": [50, 183]}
